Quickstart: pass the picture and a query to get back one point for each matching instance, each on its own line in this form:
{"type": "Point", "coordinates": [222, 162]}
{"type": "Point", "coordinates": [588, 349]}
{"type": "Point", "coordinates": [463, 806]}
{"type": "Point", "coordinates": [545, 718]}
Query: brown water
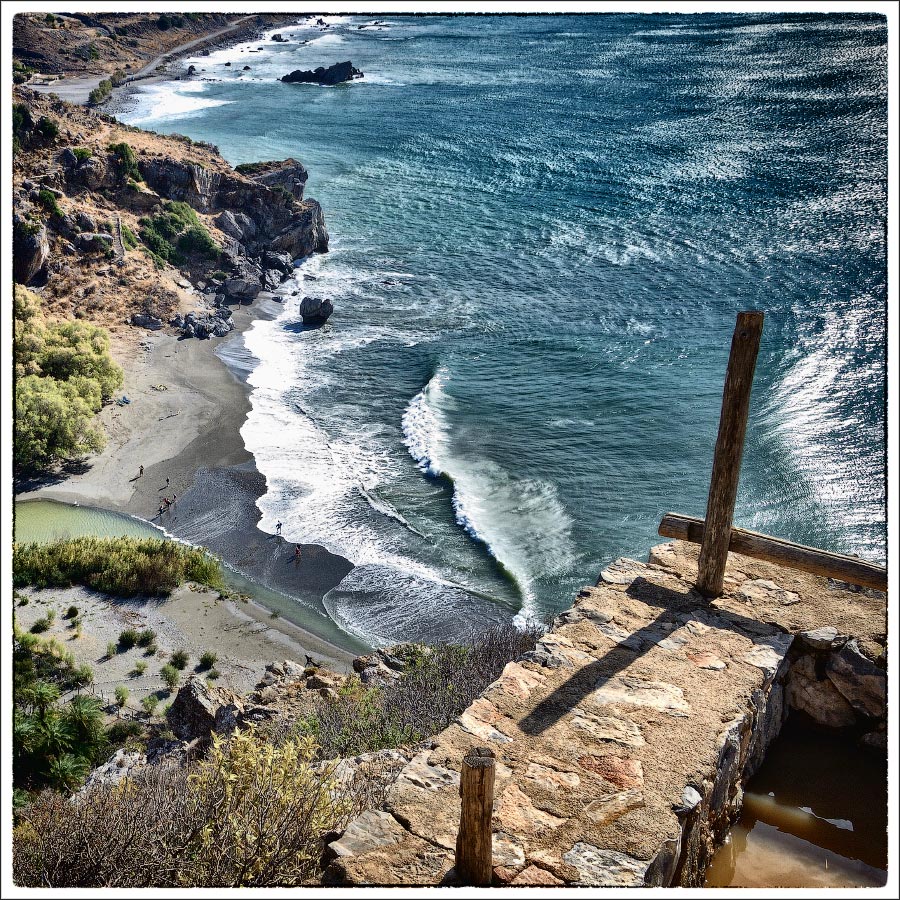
{"type": "Point", "coordinates": [815, 815]}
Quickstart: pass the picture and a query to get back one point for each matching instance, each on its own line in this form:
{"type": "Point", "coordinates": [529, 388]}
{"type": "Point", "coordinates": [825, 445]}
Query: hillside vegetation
{"type": "Point", "coordinates": [64, 374]}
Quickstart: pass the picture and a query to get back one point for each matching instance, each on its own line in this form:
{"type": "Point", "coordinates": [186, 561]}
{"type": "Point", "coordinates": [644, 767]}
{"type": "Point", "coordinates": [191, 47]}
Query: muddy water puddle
{"type": "Point", "coordinates": [815, 815]}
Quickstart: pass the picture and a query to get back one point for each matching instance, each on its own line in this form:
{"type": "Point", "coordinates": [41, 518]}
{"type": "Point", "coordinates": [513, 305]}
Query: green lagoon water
{"type": "Point", "coordinates": [44, 521]}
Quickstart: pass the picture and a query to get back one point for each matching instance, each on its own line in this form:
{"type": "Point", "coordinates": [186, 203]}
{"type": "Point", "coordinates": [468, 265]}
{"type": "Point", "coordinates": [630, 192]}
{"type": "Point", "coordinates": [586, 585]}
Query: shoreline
{"type": "Point", "coordinates": [75, 89]}
{"type": "Point", "coordinates": [189, 433]}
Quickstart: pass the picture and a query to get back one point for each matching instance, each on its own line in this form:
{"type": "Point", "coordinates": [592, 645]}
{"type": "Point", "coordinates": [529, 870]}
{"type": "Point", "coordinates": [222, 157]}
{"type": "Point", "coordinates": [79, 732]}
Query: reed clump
{"type": "Point", "coordinates": [122, 566]}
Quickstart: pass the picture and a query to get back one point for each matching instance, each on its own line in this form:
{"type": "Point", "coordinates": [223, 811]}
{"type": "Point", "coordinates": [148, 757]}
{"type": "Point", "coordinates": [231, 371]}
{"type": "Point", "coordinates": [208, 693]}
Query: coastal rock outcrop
{"type": "Point", "coordinates": [282, 223]}
{"type": "Point", "coordinates": [31, 248]}
{"type": "Point", "coordinates": [315, 310]}
{"type": "Point", "coordinates": [330, 76]}
{"type": "Point", "coordinates": [199, 709]}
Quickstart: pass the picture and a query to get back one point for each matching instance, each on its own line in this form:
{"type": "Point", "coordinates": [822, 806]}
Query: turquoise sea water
{"type": "Point", "coordinates": [542, 230]}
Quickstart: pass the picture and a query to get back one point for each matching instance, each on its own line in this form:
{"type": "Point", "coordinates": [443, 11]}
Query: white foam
{"type": "Point", "coordinates": [520, 520]}
{"type": "Point", "coordinates": [171, 100]}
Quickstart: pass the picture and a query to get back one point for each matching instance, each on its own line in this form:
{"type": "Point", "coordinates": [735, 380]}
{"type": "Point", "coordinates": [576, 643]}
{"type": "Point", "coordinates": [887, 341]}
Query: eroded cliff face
{"type": "Point", "coordinates": [273, 217]}
{"type": "Point", "coordinates": [82, 205]}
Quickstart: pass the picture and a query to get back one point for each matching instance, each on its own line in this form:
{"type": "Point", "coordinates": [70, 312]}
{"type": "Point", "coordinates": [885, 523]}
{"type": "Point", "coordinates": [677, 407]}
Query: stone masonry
{"type": "Point", "coordinates": [623, 740]}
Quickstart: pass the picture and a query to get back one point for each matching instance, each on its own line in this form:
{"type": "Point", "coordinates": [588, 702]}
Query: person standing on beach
{"type": "Point", "coordinates": [167, 480]}
{"type": "Point", "coordinates": [160, 510]}
{"type": "Point", "coordinates": [141, 472]}
{"type": "Point", "coordinates": [278, 528]}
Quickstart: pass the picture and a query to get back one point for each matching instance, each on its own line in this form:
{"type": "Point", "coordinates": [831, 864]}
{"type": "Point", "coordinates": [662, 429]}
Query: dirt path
{"type": "Point", "coordinates": [78, 89]}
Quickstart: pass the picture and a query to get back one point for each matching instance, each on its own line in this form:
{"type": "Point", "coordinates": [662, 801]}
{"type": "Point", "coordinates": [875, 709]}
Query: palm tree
{"type": "Point", "coordinates": [56, 735]}
{"type": "Point", "coordinates": [41, 696]}
{"type": "Point", "coordinates": [85, 717]}
{"type": "Point", "coordinates": [67, 772]}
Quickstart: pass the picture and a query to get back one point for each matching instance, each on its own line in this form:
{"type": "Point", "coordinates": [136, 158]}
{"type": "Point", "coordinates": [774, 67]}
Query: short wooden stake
{"type": "Point", "coordinates": [729, 450]}
{"type": "Point", "coordinates": [474, 849]}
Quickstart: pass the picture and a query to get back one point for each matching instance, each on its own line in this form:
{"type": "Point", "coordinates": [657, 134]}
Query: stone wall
{"type": "Point", "coordinates": [624, 739]}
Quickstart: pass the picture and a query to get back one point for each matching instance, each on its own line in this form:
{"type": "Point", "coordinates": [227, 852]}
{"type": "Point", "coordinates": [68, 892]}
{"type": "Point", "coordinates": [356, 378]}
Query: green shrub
{"type": "Point", "coordinates": [170, 676]}
{"type": "Point", "coordinates": [197, 240]}
{"type": "Point", "coordinates": [146, 637]}
{"type": "Point", "coordinates": [126, 160]}
{"type": "Point", "coordinates": [121, 695]}
{"type": "Point", "coordinates": [123, 567]}
{"type": "Point", "coordinates": [139, 668]}
{"type": "Point", "coordinates": [100, 93]}
{"type": "Point", "coordinates": [82, 153]}
{"type": "Point", "coordinates": [64, 373]}
{"type": "Point", "coordinates": [71, 613]}
{"type": "Point", "coordinates": [151, 650]}
{"type": "Point", "coordinates": [163, 23]}
{"type": "Point", "coordinates": [208, 659]}
{"type": "Point", "coordinates": [51, 615]}
{"type": "Point", "coordinates": [47, 129]}
{"type": "Point", "coordinates": [40, 626]}
{"type": "Point", "coordinates": [53, 744]}
{"type": "Point", "coordinates": [150, 702]}
{"type": "Point", "coordinates": [111, 650]}
{"type": "Point", "coordinates": [162, 234]}
{"type": "Point", "coordinates": [128, 639]}
{"type": "Point", "coordinates": [47, 199]}
{"type": "Point", "coordinates": [179, 659]}
{"type": "Point", "coordinates": [129, 238]}
{"type": "Point", "coordinates": [212, 674]}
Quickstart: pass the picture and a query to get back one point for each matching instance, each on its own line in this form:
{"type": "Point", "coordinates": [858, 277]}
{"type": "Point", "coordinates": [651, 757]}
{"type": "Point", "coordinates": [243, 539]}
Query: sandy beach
{"type": "Point", "coordinates": [183, 425]}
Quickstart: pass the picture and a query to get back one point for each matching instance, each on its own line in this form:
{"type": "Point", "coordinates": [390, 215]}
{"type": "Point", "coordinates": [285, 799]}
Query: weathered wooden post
{"type": "Point", "coordinates": [474, 852]}
{"type": "Point", "coordinates": [729, 449]}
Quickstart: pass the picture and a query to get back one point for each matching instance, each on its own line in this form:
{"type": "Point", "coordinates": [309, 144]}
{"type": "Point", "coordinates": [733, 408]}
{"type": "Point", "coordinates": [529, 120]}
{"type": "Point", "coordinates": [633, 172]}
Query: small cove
{"type": "Point", "coordinates": [814, 816]}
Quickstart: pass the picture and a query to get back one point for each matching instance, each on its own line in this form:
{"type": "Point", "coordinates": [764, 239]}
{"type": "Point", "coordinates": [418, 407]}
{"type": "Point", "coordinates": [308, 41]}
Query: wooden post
{"type": "Point", "coordinates": [729, 449]}
{"type": "Point", "coordinates": [474, 850]}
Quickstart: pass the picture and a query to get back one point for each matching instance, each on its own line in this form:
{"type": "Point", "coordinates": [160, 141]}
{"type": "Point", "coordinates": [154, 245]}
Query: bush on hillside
{"type": "Point", "coordinates": [126, 160]}
{"type": "Point", "coordinates": [54, 744]}
{"type": "Point", "coordinates": [123, 566]}
{"type": "Point", "coordinates": [64, 373]}
{"type": "Point", "coordinates": [174, 232]}
{"type": "Point", "coordinates": [251, 814]}
{"type": "Point", "coordinates": [435, 689]}
{"type": "Point", "coordinates": [100, 93]}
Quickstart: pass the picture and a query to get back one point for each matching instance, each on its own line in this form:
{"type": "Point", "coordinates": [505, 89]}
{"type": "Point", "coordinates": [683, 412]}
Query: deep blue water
{"type": "Point", "coordinates": [542, 230]}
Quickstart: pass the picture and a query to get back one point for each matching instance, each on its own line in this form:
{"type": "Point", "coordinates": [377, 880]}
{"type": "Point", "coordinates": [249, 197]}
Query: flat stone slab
{"type": "Point", "coordinates": [635, 714]}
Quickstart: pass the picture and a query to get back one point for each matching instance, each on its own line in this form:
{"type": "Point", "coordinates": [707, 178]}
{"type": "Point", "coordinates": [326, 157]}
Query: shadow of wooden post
{"type": "Point", "coordinates": [729, 449]}
{"type": "Point", "coordinates": [474, 848]}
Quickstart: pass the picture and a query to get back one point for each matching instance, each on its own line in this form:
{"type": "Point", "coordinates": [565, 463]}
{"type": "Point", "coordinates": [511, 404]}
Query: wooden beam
{"type": "Point", "coordinates": [729, 449]}
{"type": "Point", "coordinates": [851, 569]}
{"type": "Point", "coordinates": [474, 843]}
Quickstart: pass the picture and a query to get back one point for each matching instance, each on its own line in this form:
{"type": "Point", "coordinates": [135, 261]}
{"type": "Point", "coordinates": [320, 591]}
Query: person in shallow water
{"type": "Point", "coordinates": [298, 551]}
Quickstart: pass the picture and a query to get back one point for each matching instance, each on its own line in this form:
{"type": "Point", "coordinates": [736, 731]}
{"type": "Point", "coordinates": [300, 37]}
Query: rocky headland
{"type": "Point", "coordinates": [89, 198]}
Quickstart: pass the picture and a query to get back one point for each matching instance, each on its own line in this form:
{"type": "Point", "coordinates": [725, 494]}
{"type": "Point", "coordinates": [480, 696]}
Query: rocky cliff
{"type": "Point", "coordinates": [100, 227]}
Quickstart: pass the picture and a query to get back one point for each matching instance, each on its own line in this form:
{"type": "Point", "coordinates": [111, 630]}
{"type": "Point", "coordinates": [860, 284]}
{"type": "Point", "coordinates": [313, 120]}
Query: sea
{"type": "Point", "coordinates": [542, 230]}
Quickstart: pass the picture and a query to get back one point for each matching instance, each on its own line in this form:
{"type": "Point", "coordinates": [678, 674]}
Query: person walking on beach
{"type": "Point", "coordinates": [160, 510]}
{"type": "Point", "coordinates": [167, 480]}
{"type": "Point", "coordinates": [174, 498]}
{"type": "Point", "coordinates": [141, 472]}
{"type": "Point", "coordinates": [278, 528]}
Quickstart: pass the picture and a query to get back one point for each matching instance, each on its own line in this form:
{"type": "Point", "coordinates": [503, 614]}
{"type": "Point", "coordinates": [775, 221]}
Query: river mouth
{"type": "Point", "coordinates": [45, 521]}
{"type": "Point", "coordinates": [814, 816]}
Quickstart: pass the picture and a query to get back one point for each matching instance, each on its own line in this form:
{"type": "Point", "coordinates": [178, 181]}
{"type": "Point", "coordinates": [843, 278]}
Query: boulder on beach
{"type": "Point", "coordinates": [315, 310]}
{"type": "Point", "coordinates": [336, 74]}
